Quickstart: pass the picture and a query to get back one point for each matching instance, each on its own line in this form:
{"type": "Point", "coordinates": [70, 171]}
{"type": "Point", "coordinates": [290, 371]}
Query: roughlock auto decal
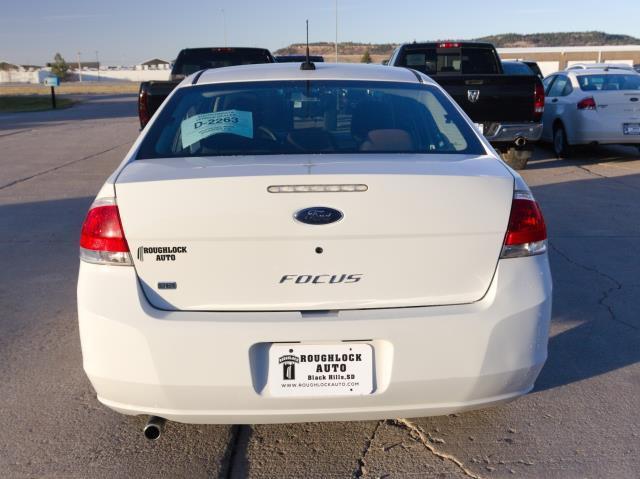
{"type": "Point", "coordinates": [160, 253]}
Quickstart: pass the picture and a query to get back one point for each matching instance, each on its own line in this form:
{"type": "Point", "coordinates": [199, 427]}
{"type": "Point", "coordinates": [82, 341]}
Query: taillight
{"type": "Point", "coordinates": [526, 233]}
{"type": "Point", "coordinates": [587, 104]}
{"type": "Point", "coordinates": [102, 239]}
{"type": "Point", "coordinates": [538, 101]}
{"type": "Point", "coordinates": [143, 112]}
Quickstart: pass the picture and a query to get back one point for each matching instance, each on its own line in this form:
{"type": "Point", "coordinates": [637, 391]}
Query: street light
{"type": "Point", "coordinates": [336, 31]}
{"type": "Point", "coordinates": [98, 62]}
{"type": "Point", "coordinates": [79, 67]}
{"type": "Point", "coordinates": [224, 25]}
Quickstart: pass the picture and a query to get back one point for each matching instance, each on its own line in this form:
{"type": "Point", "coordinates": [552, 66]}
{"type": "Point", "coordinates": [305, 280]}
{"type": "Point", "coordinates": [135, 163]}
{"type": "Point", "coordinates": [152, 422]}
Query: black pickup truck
{"type": "Point", "coordinates": [507, 108]}
{"type": "Point", "coordinates": [191, 60]}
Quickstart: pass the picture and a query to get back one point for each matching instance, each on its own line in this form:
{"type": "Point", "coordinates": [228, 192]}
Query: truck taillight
{"type": "Point", "coordinates": [102, 239]}
{"type": "Point", "coordinates": [527, 232]}
{"type": "Point", "coordinates": [587, 104]}
{"type": "Point", "coordinates": [538, 101]}
{"type": "Point", "coordinates": [143, 112]}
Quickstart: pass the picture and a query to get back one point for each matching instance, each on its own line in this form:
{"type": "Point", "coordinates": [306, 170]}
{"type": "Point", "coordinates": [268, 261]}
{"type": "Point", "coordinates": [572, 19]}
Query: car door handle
{"type": "Point", "coordinates": [555, 100]}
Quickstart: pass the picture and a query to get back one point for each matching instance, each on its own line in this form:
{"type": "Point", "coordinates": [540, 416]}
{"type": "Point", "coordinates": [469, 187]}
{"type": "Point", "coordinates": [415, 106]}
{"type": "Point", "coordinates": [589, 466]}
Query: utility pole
{"type": "Point", "coordinates": [79, 67]}
{"type": "Point", "coordinates": [224, 26]}
{"type": "Point", "coordinates": [98, 62]}
{"type": "Point", "coordinates": [336, 31]}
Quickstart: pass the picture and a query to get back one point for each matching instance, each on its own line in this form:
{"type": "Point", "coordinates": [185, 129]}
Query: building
{"type": "Point", "coordinates": [552, 59]}
{"type": "Point", "coordinates": [154, 64]}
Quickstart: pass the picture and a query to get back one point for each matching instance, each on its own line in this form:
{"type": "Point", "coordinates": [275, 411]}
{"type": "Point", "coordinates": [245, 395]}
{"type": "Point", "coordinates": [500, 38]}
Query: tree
{"type": "Point", "coordinates": [366, 57]}
{"type": "Point", "coordinates": [60, 68]}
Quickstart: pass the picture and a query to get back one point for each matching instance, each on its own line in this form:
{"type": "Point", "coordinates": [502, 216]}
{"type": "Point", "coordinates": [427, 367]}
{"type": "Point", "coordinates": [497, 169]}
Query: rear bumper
{"type": "Point", "coordinates": [509, 132]}
{"type": "Point", "coordinates": [200, 367]}
{"type": "Point", "coordinates": [586, 127]}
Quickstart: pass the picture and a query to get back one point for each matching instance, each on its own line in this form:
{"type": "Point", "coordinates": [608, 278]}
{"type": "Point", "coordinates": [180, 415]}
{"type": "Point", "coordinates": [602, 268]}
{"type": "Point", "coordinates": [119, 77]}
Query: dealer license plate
{"type": "Point", "coordinates": [631, 128]}
{"type": "Point", "coordinates": [298, 370]}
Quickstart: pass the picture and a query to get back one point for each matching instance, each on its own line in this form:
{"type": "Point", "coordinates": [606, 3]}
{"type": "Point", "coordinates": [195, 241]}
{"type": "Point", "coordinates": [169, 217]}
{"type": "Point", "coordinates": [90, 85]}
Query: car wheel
{"type": "Point", "coordinates": [560, 145]}
{"type": "Point", "coordinates": [517, 159]}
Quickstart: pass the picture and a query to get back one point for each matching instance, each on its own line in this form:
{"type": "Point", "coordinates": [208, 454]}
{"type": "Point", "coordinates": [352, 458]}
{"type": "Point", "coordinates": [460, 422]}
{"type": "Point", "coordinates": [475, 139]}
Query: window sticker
{"type": "Point", "coordinates": [202, 126]}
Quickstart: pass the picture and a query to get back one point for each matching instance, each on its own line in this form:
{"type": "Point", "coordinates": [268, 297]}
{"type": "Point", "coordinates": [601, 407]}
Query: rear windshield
{"type": "Point", "coordinates": [516, 68]}
{"type": "Point", "coordinates": [191, 61]}
{"type": "Point", "coordinates": [466, 60]}
{"type": "Point", "coordinates": [298, 117]}
{"type": "Point", "coordinates": [629, 81]}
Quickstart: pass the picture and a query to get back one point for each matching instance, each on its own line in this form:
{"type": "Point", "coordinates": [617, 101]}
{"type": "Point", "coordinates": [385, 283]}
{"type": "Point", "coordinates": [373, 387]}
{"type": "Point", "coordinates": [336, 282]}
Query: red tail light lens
{"type": "Point", "coordinates": [587, 104]}
{"type": "Point", "coordinates": [102, 238]}
{"type": "Point", "coordinates": [527, 232]}
{"type": "Point", "coordinates": [143, 112]}
{"type": "Point", "coordinates": [538, 101]}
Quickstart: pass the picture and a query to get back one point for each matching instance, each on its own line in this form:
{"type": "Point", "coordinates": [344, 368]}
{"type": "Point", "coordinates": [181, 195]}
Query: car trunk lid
{"type": "Point", "coordinates": [207, 234]}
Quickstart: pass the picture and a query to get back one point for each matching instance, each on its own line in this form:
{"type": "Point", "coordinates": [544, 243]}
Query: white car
{"type": "Point", "coordinates": [591, 106]}
{"type": "Point", "coordinates": [284, 244]}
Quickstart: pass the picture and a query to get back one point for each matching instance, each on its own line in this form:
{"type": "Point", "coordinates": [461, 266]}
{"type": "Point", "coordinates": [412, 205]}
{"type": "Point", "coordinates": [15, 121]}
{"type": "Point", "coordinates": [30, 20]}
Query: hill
{"type": "Point", "coordinates": [353, 51]}
{"type": "Point", "coordinates": [559, 39]}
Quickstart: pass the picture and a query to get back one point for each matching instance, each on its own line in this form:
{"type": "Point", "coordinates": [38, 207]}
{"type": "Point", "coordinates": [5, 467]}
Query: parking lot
{"type": "Point", "coordinates": [580, 421]}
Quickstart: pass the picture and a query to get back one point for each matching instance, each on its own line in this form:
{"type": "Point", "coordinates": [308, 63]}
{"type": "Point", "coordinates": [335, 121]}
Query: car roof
{"type": "Point", "coordinates": [593, 71]}
{"type": "Point", "coordinates": [599, 66]}
{"type": "Point", "coordinates": [461, 43]}
{"type": "Point", "coordinates": [292, 71]}
{"type": "Point", "coordinates": [601, 71]}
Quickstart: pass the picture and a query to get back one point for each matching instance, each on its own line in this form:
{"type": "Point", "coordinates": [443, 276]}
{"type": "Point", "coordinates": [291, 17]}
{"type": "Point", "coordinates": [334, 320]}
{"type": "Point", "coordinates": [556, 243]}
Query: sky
{"type": "Point", "coordinates": [126, 32]}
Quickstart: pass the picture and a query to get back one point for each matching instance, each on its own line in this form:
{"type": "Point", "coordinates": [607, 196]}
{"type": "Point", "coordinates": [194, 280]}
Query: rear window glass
{"type": "Point", "coordinates": [433, 61]}
{"type": "Point", "coordinates": [516, 68]}
{"type": "Point", "coordinates": [298, 117]}
{"type": "Point", "coordinates": [609, 82]}
{"type": "Point", "coordinates": [191, 61]}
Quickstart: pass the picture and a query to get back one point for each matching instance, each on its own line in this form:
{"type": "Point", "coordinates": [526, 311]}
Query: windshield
{"type": "Point", "coordinates": [289, 117]}
{"type": "Point", "coordinates": [191, 61]}
{"type": "Point", "coordinates": [606, 82]}
{"type": "Point", "coordinates": [465, 60]}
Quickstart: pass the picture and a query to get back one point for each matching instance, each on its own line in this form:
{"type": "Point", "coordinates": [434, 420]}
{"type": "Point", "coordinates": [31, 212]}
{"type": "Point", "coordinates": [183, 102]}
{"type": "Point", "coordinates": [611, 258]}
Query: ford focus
{"type": "Point", "coordinates": [337, 243]}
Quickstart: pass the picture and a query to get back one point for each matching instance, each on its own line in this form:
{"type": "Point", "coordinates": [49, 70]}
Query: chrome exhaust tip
{"type": "Point", "coordinates": [153, 429]}
{"type": "Point", "coordinates": [520, 141]}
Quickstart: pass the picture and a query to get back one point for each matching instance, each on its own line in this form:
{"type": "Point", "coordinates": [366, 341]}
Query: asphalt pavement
{"type": "Point", "coordinates": [582, 419]}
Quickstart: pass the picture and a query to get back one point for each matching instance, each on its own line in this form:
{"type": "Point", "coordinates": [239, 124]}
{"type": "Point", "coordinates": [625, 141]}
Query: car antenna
{"type": "Point", "coordinates": [307, 65]}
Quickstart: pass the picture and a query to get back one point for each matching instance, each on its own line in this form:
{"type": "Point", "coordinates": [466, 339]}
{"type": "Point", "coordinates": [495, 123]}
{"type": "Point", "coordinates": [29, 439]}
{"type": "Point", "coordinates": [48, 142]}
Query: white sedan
{"type": "Point", "coordinates": [338, 243]}
{"type": "Point", "coordinates": [590, 107]}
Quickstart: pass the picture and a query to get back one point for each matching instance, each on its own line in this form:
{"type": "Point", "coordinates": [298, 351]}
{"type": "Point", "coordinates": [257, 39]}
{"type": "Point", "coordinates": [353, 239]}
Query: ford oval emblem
{"type": "Point", "coordinates": [318, 215]}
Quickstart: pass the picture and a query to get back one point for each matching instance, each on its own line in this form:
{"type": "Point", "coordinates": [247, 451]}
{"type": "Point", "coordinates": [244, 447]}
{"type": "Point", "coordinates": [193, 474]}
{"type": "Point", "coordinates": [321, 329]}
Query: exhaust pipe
{"type": "Point", "coordinates": [520, 142]}
{"type": "Point", "coordinates": [153, 429]}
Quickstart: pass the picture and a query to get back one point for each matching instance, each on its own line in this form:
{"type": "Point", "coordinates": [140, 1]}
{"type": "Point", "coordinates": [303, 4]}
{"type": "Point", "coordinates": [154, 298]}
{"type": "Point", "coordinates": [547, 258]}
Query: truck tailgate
{"type": "Point", "coordinates": [499, 98]}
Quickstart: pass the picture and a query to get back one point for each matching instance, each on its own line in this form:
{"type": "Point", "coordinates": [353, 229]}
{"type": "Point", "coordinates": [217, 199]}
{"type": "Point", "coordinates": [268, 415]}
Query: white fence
{"type": "Point", "coordinates": [87, 75]}
{"type": "Point", "coordinates": [37, 76]}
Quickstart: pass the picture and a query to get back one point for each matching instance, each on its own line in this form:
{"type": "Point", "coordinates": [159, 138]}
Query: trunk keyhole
{"type": "Point", "coordinates": [319, 250]}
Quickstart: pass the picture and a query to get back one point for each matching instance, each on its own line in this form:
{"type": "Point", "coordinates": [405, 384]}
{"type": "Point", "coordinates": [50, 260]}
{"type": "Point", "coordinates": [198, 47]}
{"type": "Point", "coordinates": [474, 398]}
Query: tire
{"type": "Point", "coordinates": [517, 159]}
{"type": "Point", "coordinates": [560, 145]}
